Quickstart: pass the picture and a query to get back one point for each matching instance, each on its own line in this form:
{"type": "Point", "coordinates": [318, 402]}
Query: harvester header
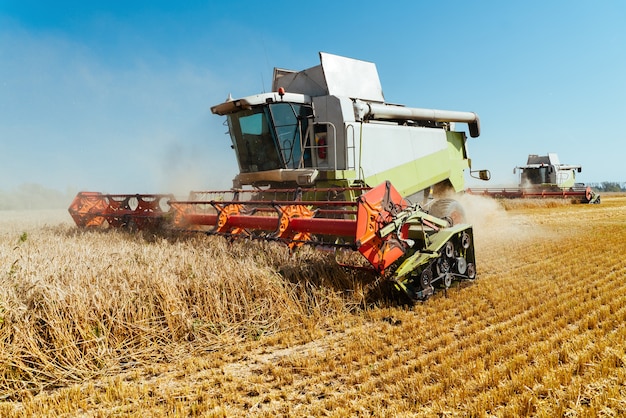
{"type": "Point", "coordinates": [325, 161]}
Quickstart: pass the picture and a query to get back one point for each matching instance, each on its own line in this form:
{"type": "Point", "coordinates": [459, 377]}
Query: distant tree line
{"type": "Point", "coordinates": [609, 186]}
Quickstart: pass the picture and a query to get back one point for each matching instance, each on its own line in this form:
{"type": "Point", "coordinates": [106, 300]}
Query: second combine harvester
{"type": "Point", "coordinates": [324, 160]}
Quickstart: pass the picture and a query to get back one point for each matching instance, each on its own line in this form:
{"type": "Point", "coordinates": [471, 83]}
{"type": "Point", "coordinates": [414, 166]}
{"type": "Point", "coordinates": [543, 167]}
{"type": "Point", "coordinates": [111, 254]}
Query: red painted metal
{"type": "Point", "coordinates": [90, 209]}
{"type": "Point", "coordinates": [376, 209]}
{"type": "Point", "coordinates": [521, 193]}
{"type": "Point", "coordinates": [268, 218]}
{"type": "Point", "coordinates": [295, 222]}
{"type": "Point", "coordinates": [325, 226]}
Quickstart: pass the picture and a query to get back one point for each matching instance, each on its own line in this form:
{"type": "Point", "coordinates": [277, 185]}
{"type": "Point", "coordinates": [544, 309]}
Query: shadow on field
{"type": "Point", "coordinates": [356, 283]}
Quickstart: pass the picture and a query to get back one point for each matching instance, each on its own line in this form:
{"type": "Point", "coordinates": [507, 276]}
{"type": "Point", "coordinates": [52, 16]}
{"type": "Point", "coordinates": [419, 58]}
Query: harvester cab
{"type": "Point", "coordinates": [329, 126]}
{"type": "Point", "coordinates": [325, 161]}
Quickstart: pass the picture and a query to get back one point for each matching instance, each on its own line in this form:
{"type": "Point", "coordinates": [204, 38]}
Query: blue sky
{"type": "Point", "coordinates": [115, 96]}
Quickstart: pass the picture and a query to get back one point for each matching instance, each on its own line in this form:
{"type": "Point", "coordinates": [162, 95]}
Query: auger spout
{"type": "Point", "coordinates": [382, 111]}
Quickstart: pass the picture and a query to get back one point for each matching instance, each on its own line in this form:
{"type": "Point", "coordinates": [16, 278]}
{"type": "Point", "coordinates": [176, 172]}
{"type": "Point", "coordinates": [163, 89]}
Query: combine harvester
{"type": "Point", "coordinates": [544, 177]}
{"type": "Point", "coordinates": [325, 161]}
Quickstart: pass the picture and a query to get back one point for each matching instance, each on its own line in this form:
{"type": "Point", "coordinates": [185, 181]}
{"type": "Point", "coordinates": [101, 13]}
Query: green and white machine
{"type": "Point", "coordinates": [546, 170]}
{"type": "Point", "coordinates": [544, 177]}
{"type": "Point", "coordinates": [325, 161]}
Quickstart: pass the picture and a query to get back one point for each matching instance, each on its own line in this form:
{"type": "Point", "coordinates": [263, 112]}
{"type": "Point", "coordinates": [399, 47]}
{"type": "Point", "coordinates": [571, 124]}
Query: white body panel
{"type": "Point", "coordinates": [385, 146]}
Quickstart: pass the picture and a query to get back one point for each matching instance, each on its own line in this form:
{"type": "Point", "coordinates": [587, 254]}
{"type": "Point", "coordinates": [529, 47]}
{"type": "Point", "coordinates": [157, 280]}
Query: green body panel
{"type": "Point", "coordinates": [348, 192]}
{"type": "Point", "coordinates": [349, 175]}
{"type": "Point", "coordinates": [458, 160]}
{"type": "Point", "coordinates": [430, 250]}
{"type": "Point", "coordinates": [446, 164]}
{"type": "Point", "coordinates": [346, 195]}
{"type": "Point", "coordinates": [428, 254]}
{"type": "Point", "coordinates": [568, 183]}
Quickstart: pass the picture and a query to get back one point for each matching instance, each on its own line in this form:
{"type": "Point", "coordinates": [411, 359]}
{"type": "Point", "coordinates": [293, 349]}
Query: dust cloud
{"type": "Point", "coordinates": [31, 206]}
{"type": "Point", "coordinates": [492, 223]}
{"type": "Point", "coordinates": [32, 196]}
{"type": "Point", "coordinates": [16, 222]}
{"type": "Point", "coordinates": [187, 167]}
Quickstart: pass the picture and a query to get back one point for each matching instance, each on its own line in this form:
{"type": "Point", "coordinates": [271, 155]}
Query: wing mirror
{"type": "Point", "coordinates": [481, 174]}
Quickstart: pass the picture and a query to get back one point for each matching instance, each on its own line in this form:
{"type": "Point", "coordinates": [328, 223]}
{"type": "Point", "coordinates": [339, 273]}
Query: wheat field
{"type": "Point", "coordinates": [107, 323]}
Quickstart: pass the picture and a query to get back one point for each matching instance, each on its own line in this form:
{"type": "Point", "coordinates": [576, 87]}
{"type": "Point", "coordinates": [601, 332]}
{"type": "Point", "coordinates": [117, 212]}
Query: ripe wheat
{"type": "Point", "coordinates": [111, 323]}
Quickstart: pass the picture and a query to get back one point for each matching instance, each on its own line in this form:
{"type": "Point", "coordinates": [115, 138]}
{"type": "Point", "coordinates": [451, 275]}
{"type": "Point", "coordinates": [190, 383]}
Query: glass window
{"type": "Point", "coordinates": [253, 142]}
{"type": "Point", "coordinates": [269, 137]}
{"type": "Point", "coordinates": [289, 131]}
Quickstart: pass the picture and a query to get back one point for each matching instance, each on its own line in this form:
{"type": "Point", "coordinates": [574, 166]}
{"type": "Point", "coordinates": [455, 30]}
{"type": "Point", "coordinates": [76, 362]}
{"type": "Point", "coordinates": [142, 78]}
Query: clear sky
{"type": "Point", "coordinates": [115, 96]}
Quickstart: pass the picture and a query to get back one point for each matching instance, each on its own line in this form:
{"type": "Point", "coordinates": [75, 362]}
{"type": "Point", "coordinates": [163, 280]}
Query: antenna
{"type": "Point", "coordinates": [267, 62]}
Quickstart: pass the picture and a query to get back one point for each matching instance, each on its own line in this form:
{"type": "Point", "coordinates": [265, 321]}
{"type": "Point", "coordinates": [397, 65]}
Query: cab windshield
{"type": "Point", "coordinates": [269, 137]}
{"type": "Point", "coordinates": [532, 176]}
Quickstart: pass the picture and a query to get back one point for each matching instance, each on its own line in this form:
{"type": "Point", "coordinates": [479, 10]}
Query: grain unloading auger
{"type": "Point", "coordinates": [309, 153]}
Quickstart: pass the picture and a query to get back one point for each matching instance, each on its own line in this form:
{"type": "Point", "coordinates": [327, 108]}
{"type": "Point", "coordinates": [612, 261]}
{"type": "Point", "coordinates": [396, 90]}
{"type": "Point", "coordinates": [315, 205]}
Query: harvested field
{"type": "Point", "coordinates": [112, 324]}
